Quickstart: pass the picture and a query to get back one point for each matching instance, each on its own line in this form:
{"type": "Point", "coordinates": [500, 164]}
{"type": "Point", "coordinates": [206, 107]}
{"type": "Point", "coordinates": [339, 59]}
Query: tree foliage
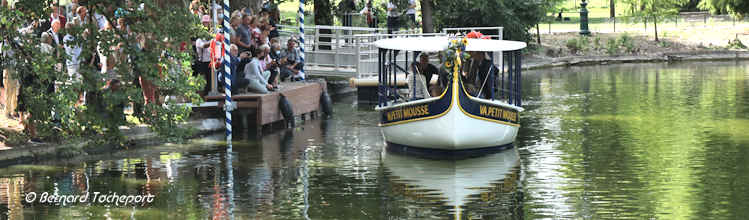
{"type": "Point", "coordinates": [517, 17]}
{"type": "Point", "coordinates": [150, 50]}
{"type": "Point", "coordinates": [738, 8]}
{"type": "Point", "coordinates": [654, 10]}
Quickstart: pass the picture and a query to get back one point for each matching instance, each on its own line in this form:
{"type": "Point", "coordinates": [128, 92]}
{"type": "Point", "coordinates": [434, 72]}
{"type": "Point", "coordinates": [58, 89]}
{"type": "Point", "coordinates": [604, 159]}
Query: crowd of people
{"type": "Point", "coordinates": [395, 17]}
{"type": "Point", "coordinates": [65, 52]}
{"type": "Point", "coordinates": [259, 62]}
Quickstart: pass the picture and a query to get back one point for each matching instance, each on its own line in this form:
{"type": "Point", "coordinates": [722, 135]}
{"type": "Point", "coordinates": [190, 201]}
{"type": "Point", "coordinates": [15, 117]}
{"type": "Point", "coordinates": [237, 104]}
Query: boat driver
{"type": "Point", "coordinates": [427, 70]}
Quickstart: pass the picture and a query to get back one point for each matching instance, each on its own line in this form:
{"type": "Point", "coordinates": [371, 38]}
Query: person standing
{"type": "Point", "coordinates": [411, 12]}
{"type": "Point", "coordinates": [82, 18]}
{"type": "Point", "coordinates": [244, 36]}
{"type": "Point", "coordinates": [70, 10]}
{"type": "Point", "coordinates": [370, 14]}
{"type": "Point", "coordinates": [9, 82]}
{"type": "Point", "coordinates": [54, 32]}
{"type": "Point", "coordinates": [346, 7]}
{"type": "Point", "coordinates": [392, 21]}
{"type": "Point", "coordinates": [73, 62]}
{"type": "Point", "coordinates": [57, 15]}
{"type": "Point", "coordinates": [204, 56]}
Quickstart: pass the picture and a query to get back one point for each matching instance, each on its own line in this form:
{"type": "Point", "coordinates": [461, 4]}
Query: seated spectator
{"type": "Point", "coordinates": [275, 56]}
{"type": "Point", "coordinates": [258, 79]}
{"type": "Point", "coordinates": [291, 62]}
{"type": "Point", "coordinates": [237, 78]}
{"type": "Point", "coordinates": [268, 64]}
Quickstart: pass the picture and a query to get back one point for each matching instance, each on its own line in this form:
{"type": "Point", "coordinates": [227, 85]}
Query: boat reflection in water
{"type": "Point", "coordinates": [480, 187]}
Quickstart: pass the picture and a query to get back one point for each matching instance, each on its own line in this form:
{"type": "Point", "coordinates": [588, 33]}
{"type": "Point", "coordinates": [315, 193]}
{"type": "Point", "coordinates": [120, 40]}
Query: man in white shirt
{"type": "Point", "coordinates": [73, 51]}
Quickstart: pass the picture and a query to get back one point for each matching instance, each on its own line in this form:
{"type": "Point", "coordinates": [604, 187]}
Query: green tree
{"type": "Point", "coordinates": [738, 8]}
{"type": "Point", "coordinates": [550, 7]}
{"type": "Point", "coordinates": [427, 16]}
{"type": "Point", "coordinates": [517, 17]}
{"type": "Point", "coordinates": [654, 10]}
{"type": "Point", "coordinates": [150, 49]}
{"type": "Point", "coordinates": [324, 16]}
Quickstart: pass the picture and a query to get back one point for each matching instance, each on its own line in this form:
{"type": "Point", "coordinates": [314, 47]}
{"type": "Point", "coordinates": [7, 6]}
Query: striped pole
{"type": "Point", "coordinates": [301, 36]}
{"type": "Point", "coordinates": [227, 71]}
{"type": "Point", "coordinates": [228, 107]}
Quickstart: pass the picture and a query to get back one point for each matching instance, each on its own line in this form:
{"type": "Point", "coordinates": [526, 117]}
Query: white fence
{"type": "Point", "coordinates": [349, 51]}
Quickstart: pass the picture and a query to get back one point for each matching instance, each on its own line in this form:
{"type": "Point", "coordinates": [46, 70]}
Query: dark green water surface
{"type": "Point", "coordinates": [632, 141]}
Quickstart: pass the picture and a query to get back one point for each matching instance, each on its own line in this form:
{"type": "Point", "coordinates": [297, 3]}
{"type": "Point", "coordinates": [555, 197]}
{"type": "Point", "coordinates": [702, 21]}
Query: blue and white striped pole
{"type": "Point", "coordinates": [301, 36]}
{"type": "Point", "coordinates": [228, 107]}
{"type": "Point", "coordinates": [227, 72]}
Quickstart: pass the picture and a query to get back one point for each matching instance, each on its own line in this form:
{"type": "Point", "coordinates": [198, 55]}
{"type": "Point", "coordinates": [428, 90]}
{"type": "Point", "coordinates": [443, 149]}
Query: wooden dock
{"type": "Point", "coordinates": [304, 98]}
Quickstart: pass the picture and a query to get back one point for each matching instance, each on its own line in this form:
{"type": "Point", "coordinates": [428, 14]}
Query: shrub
{"type": "Point", "coordinates": [573, 45]}
{"type": "Point", "coordinates": [626, 41]}
{"type": "Point", "coordinates": [597, 42]}
{"type": "Point", "coordinates": [736, 44]}
{"type": "Point", "coordinates": [612, 47]}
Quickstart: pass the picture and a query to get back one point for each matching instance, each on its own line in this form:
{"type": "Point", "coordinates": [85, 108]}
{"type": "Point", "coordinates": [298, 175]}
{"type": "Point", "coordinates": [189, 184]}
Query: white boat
{"type": "Point", "coordinates": [455, 120]}
{"type": "Point", "coordinates": [465, 186]}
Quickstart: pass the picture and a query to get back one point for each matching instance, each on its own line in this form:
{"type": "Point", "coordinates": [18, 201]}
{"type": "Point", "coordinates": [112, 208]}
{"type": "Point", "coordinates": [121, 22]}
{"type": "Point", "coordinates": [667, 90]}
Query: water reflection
{"type": "Point", "coordinates": [481, 187]}
{"type": "Point", "coordinates": [644, 141]}
{"type": "Point", "coordinates": [636, 141]}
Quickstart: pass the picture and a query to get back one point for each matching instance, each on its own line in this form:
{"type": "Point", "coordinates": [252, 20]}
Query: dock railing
{"type": "Point", "coordinates": [350, 51]}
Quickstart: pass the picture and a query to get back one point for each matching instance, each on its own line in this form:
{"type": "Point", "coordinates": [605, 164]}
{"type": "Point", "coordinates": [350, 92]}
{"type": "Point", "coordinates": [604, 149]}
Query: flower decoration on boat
{"type": "Point", "coordinates": [455, 53]}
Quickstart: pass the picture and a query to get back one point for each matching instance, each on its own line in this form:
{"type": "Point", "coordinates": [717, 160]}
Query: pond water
{"type": "Point", "coordinates": [632, 141]}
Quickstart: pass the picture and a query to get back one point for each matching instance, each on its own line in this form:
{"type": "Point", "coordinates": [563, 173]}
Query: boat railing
{"type": "Point", "coordinates": [509, 79]}
{"type": "Point", "coordinates": [350, 52]}
{"type": "Point", "coordinates": [494, 32]}
{"type": "Point", "coordinates": [503, 82]}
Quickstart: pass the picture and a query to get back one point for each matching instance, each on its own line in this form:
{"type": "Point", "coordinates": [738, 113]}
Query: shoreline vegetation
{"type": "Point", "coordinates": [571, 49]}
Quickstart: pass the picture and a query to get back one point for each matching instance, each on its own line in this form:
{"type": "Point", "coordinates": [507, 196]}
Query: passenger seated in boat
{"type": "Point", "coordinates": [427, 70]}
{"type": "Point", "coordinates": [418, 82]}
{"type": "Point", "coordinates": [475, 72]}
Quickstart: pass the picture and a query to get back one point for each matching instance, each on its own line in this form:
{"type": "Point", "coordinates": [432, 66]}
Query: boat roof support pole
{"type": "Point", "coordinates": [380, 77]}
{"type": "Point", "coordinates": [518, 69]}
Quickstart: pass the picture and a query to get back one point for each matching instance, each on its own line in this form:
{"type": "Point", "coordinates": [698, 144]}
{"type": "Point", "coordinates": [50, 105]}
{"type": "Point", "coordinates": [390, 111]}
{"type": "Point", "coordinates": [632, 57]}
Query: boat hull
{"type": "Point", "coordinates": [454, 121]}
{"type": "Point", "coordinates": [453, 131]}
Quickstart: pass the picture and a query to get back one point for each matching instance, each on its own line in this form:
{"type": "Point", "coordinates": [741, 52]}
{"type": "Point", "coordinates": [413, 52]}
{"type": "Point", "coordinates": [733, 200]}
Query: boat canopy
{"type": "Point", "coordinates": [436, 44]}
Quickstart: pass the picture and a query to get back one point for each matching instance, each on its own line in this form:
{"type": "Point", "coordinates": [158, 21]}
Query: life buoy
{"type": "Point", "coordinates": [326, 103]}
{"type": "Point", "coordinates": [286, 110]}
{"type": "Point", "coordinates": [215, 59]}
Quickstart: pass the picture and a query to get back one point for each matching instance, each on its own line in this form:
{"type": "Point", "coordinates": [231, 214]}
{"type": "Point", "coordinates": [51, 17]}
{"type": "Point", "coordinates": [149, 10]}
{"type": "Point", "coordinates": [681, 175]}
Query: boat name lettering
{"type": "Point", "coordinates": [496, 112]}
{"type": "Point", "coordinates": [408, 112]}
